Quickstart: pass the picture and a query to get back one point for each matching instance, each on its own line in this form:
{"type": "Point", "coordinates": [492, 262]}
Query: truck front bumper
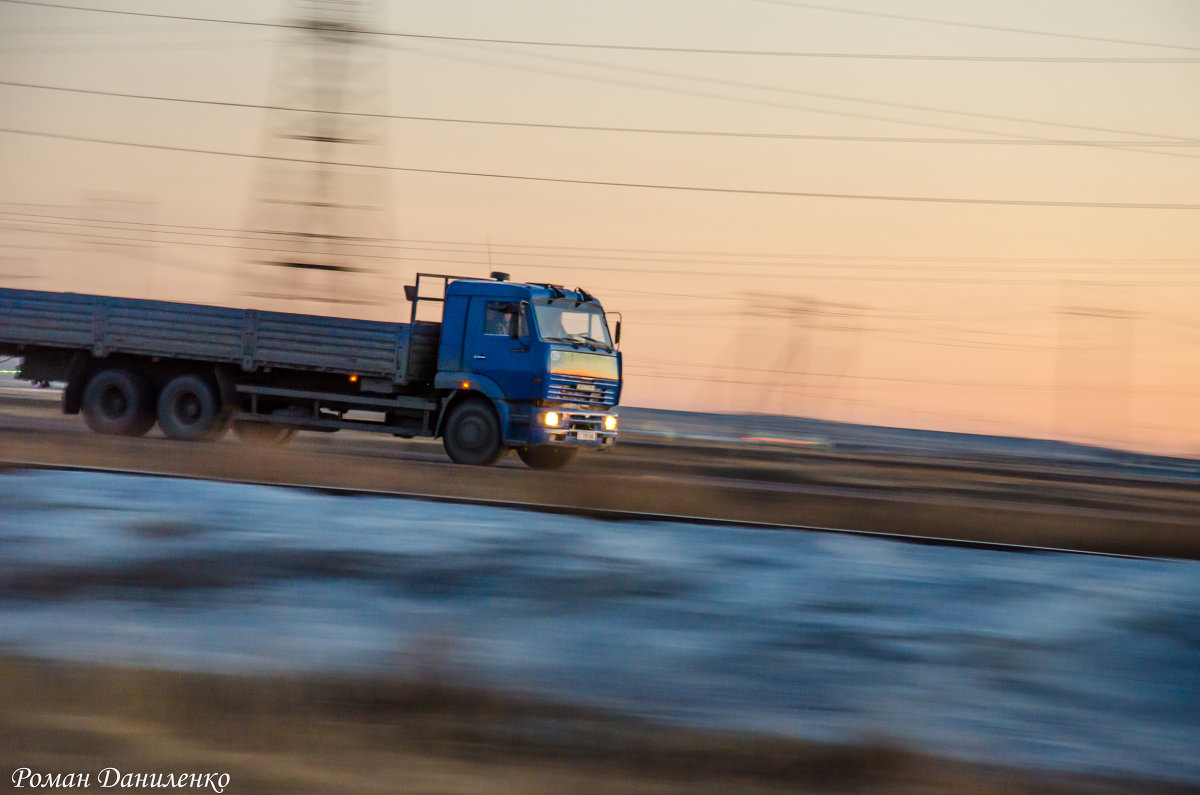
{"type": "Point", "coordinates": [576, 428]}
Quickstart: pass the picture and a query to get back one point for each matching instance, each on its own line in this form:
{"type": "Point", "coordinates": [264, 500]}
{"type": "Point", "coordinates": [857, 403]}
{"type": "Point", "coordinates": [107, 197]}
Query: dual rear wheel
{"type": "Point", "coordinates": [189, 409]}
{"type": "Point", "coordinates": [121, 402]}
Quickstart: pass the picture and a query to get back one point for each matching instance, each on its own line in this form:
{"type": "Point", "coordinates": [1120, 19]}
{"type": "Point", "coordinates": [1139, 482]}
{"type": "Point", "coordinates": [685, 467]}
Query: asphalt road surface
{"type": "Point", "coordinates": [1025, 503]}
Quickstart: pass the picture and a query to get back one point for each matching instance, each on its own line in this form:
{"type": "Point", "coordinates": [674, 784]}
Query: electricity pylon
{"type": "Point", "coordinates": [320, 220]}
{"type": "Point", "coordinates": [1094, 370]}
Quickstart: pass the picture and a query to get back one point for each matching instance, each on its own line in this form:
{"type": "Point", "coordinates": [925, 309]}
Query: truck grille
{"type": "Point", "coordinates": [580, 389]}
{"type": "Point", "coordinates": [584, 422]}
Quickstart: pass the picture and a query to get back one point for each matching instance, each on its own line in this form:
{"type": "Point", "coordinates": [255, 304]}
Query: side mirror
{"type": "Point", "coordinates": [410, 292]}
{"type": "Point", "coordinates": [617, 333]}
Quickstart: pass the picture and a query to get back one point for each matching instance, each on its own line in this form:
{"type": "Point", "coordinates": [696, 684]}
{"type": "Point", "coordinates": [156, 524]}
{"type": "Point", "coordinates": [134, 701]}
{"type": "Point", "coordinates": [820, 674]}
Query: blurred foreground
{"type": "Point", "coordinates": [359, 643]}
{"type": "Point", "coordinates": [1053, 661]}
{"type": "Point", "coordinates": [342, 734]}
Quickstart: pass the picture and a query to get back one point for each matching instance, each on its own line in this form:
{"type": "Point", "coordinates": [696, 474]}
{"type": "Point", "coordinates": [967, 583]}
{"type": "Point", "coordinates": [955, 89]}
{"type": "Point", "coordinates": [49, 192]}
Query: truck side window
{"type": "Point", "coordinates": [500, 316]}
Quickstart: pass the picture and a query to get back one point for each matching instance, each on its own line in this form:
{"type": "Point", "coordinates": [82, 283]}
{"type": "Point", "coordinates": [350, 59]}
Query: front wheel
{"type": "Point", "coordinates": [544, 456]}
{"type": "Point", "coordinates": [472, 434]}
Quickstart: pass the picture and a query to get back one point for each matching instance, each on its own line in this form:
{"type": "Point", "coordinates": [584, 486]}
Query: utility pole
{"type": "Point", "coordinates": [317, 227]}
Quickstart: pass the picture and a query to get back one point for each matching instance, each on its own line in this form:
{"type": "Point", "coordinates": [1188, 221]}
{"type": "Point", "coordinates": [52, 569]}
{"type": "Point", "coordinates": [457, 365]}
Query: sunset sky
{"type": "Point", "coordinates": [962, 216]}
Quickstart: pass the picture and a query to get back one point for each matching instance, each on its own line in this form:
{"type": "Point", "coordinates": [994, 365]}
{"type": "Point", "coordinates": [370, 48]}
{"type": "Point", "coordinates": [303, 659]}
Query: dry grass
{"type": "Point", "coordinates": [323, 734]}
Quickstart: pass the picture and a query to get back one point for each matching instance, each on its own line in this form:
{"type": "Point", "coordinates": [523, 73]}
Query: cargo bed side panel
{"type": "Point", "coordinates": [327, 343]}
{"type": "Point", "coordinates": [30, 317]}
{"type": "Point", "coordinates": [160, 328]}
{"type": "Point", "coordinates": [250, 339]}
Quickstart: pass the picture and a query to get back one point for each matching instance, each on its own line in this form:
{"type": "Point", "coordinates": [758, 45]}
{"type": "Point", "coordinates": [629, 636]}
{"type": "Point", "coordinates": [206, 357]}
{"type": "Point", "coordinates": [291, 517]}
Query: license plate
{"type": "Point", "coordinates": [587, 436]}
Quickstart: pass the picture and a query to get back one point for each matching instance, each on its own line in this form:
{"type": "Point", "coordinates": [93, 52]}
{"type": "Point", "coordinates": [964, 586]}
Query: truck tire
{"type": "Point", "coordinates": [472, 434]}
{"type": "Point", "coordinates": [118, 402]}
{"type": "Point", "coordinates": [545, 456]}
{"type": "Point", "coordinates": [188, 410]}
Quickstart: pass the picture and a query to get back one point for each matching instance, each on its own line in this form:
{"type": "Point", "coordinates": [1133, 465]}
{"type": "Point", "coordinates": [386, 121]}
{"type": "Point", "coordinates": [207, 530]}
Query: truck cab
{"type": "Point", "coordinates": [540, 356]}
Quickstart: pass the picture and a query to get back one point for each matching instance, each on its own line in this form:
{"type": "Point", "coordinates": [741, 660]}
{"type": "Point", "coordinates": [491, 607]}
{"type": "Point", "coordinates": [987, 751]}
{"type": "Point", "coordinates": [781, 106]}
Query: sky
{"type": "Point", "coordinates": [973, 217]}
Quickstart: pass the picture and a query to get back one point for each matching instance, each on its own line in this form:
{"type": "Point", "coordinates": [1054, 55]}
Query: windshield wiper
{"type": "Point", "coordinates": [579, 339]}
{"type": "Point", "coordinates": [601, 343]}
{"type": "Point", "coordinates": [572, 341]}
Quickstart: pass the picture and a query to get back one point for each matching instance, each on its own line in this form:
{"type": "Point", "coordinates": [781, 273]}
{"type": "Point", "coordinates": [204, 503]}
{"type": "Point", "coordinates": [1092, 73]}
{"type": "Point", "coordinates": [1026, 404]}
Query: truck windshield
{"type": "Point", "coordinates": [561, 320]}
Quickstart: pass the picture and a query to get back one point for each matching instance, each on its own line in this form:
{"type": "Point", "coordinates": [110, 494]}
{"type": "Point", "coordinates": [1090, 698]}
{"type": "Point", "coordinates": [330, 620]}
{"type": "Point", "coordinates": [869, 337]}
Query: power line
{"type": "Point", "coordinates": [1122, 147]}
{"type": "Point", "coordinates": [150, 15]}
{"type": "Point", "coordinates": [883, 382]}
{"type": "Point", "coordinates": [636, 185]}
{"type": "Point", "coordinates": [891, 382]}
{"type": "Point", "coordinates": [668, 74]}
{"type": "Point", "coordinates": [646, 48]}
{"type": "Point", "coordinates": [850, 272]}
{"type": "Point", "coordinates": [798, 54]}
{"type": "Point", "coordinates": [859, 100]}
{"type": "Point", "coordinates": [976, 26]}
{"type": "Point", "coordinates": [600, 128]}
{"type": "Point", "coordinates": [223, 46]}
{"type": "Point", "coordinates": [805, 108]}
{"type": "Point", "coordinates": [689, 256]}
{"type": "Point", "coordinates": [591, 269]}
{"type": "Point", "coordinates": [803, 54]}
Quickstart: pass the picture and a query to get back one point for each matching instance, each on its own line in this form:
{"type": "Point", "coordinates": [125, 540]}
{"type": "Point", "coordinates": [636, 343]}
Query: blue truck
{"type": "Point", "coordinates": [505, 366]}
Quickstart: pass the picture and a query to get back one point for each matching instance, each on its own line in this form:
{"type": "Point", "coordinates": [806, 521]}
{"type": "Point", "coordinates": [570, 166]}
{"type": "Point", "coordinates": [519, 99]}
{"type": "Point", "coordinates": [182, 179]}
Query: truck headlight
{"type": "Point", "coordinates": [551, 419]}
{"type": "Point", "coordinates": [610, 422]}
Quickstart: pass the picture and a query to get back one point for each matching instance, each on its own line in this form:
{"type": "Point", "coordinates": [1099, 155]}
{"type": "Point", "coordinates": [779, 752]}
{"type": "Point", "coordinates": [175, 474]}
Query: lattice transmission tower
{"type": "Point", "coordinates": [791, 355]}
{"type": "Point", "coordinates": [319, 227]}
{"type": "Point", "coordinates": [1095, 364]}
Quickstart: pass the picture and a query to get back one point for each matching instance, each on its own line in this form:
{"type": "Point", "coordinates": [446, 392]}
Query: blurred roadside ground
{"type": "Point", "coordinates": [336, 735]}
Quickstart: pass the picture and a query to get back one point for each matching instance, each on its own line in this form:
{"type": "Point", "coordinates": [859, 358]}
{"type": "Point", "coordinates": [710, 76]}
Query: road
{"type": "Point", "coordinates": [1026, 503]}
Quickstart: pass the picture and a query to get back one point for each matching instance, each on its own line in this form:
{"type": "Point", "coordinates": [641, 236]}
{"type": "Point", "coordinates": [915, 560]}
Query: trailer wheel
{"type": "Point", "coordinates": [472, 434]}
{"type": "Point", "coordinates": [188, 410]}
{"type": "Point", "coordinates": [545, 456]}
{"type": "Point", "coordinates": [118, 402]}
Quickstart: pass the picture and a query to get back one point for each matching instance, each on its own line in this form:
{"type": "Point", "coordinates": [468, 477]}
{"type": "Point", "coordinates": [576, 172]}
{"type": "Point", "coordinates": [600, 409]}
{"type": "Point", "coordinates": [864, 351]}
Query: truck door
{"type": "Point", "coordinates": [492, 352]}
